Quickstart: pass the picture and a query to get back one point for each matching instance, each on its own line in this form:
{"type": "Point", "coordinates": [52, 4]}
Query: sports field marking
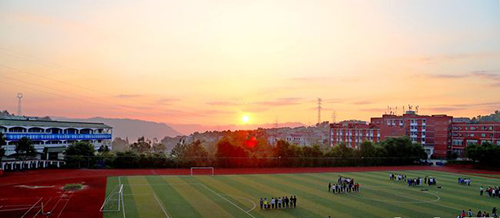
{"type": "Point", "coordinates": [227, 200]}
{"type": "Point", "coordinates": [42, 208]}
{"type": "Point", "coordinates": [67, 201]}
{"type": "Point", "coordinates": [31, 208]}
{"type": "Point", "coordinates": [122, 200]}
{"type": "Point", "coordinates": [248, 199]}
{"type": "Point", "coordinates": [161, 205]}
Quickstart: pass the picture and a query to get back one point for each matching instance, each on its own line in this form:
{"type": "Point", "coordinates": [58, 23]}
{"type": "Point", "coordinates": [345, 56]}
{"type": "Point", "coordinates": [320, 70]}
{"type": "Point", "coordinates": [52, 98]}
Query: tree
{"type": "Point", "coordinates": [80, 153]}
{"type": "Point", "coordinates": [25, 148]}
{"type": "Point", "coordinates": [142, 145]}
{"type": "Point", "coordinates": [159, 148]}
{"type": "Point", "coordinates": [103, 149]}
{"type": "Point", "coordinates": [230, 155]}
{"type": "Point", "coordinates": [120, 144]}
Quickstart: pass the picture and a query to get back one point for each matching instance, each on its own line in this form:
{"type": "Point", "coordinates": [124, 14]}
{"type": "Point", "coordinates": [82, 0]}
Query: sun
{"type": "Point", "coordinates": [245, 119]}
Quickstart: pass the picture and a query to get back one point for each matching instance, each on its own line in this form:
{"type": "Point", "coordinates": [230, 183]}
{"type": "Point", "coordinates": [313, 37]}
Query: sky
{"type": "Point", "coordinates": [224, 62]}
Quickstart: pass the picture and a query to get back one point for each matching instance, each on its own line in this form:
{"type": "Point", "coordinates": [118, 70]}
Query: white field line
{"type": "Point", "coordinates": [247, 199]}
{"type": "Point", "coordinates": [121, 197]}
{"type": "Point", "coordinates": [163, 184]}
{"type": "Point", "coordinates": [227, 200]}
{"type": "Point", "coordinates": [67, 201]}
{"type": "Point", "coordinates": [109, 196]}
{"type": "Point", "coordinates": [41, 208]}
{"type": "Point", "coordinates": [57, 203]}
{"type": "Point", "coordinates": [31, 208]}
{"type": "Point", "coordinates": [161, 205]}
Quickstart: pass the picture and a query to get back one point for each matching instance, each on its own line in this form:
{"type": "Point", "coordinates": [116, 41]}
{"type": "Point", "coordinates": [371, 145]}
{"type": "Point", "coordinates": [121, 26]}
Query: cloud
{"type": "Point", "coordinates": [223, 103]}
{"type": "Point", "coordinates": [167, 100]}
{"type": "Point", "coordinates": [127, 96]}
{"type": "Point", "coordinates": [448, 76]}
{"type": "Point", "coordinates": [455, 57]}
{"type": "Point", "coordinates": [481, 74]}
{"type": "Point", "coordinates": [280, 102]}
{"type": "Point", "coordinates": [490, 75]}
{"type": "Point", "coordinates": [363, 102]}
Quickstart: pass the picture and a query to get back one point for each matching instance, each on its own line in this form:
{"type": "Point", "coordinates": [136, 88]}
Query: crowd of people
{"type": "Point", "coordinates": [491, 191]}
{"type": "Point", "coordinates": [419, 181]}
{"type": "Point", "coordinates": [343, 185]}
{"type": "Point", "coordinates": [464, 181]}
{"type": "Point", "coordinates": [278, 203]}
{"type": "Point", "coordinates": [470, 213]}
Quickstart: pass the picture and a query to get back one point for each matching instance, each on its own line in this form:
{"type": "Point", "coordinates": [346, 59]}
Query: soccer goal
{"type": "Point", "coordinates": [202, 171]}
{"type": "Point", "coordinates": [114, 200]}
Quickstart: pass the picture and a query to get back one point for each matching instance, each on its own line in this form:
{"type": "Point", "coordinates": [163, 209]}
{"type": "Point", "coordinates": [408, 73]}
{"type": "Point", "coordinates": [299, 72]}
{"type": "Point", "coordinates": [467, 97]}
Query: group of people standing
{"type": "Point", "coordinates": [397, 177]}
{"type": "Point", "coordinates": [464, 181]}
{"type": "Point", "coordinates": [479, 213]}
{"type": "Point", "coordinates": [418, 181]}
{"type": "Point", "coordinates": [491, 191]}
{"type": "Point", "coordinates": [344, 184]}
{"type": "Point", "coordinates": [278, 203]}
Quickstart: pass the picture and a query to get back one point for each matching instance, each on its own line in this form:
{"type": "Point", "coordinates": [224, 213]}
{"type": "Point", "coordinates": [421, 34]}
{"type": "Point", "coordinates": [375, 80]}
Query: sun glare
{"type": "Point", "coordinates": [245, 119]}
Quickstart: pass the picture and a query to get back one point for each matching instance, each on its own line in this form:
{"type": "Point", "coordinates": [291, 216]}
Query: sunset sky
{"type": "Point", "coordinates": [214, 62]}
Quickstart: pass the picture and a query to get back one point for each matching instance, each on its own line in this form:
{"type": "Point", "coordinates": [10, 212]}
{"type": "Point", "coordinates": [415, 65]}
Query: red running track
{"type": "Point", "coordinates": [20, 190]}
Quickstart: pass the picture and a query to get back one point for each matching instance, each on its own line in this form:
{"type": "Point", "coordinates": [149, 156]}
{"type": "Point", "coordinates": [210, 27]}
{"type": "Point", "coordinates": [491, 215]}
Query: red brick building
{"type": "Point", "coordinates": [439, 134]}
{"type": "Point", "coordinates": [433, 132]}
{"type": "Point", "coordinates": [353, 133]}
{"type": "Point", "coordinates": [465, 132]}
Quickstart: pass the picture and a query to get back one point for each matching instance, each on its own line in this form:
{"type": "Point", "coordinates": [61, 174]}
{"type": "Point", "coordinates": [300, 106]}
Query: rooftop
{"type": "Point", "coordinates": [50, 123]}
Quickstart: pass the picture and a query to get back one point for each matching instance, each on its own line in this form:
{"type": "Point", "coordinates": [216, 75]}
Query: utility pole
{"type": "Point", "coordinates": [19, 109]}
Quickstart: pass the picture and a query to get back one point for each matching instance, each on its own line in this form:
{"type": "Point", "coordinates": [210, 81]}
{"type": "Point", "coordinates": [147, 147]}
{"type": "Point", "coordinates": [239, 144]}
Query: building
{"type": "Point", "coordinates": [433, 132]}
{"type": "Point", "coordinates": [466, 132]}
{"type": "Point", "coordinates": [52, 137]}
{"type": "Point", "coordinates": [353, 133]}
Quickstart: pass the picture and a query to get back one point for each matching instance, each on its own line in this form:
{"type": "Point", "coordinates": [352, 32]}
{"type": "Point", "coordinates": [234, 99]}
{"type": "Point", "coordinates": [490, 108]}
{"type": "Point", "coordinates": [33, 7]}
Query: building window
{"type": "Point", "coordinates": [483, 135]}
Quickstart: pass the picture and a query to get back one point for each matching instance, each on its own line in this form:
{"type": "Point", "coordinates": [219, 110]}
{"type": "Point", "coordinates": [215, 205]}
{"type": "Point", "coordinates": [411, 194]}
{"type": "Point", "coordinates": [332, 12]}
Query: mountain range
{"type": "Point", "coordinates": [133, 129]}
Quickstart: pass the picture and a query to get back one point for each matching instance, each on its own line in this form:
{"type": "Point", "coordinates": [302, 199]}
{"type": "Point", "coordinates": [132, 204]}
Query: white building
{"type": "Point", "coordinates": [53, 136]}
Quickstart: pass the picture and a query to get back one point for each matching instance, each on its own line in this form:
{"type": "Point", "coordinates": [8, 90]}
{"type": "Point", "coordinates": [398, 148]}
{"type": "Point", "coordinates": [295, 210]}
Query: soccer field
{"type": "Point", "coordinates": [238, 195]}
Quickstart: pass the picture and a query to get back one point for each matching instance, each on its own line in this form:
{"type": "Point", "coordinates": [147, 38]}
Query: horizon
{"type": "Point", "coordinates": [249, 63]}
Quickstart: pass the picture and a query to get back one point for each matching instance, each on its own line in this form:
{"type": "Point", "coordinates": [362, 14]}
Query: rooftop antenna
{"type": "Point", "coordinates": [417, 109]}
{"type": "Point", "coordinates": [319, 110]}
{"type": "Point", "coordinates": [396, 110]}
{"type": "Point", "coordinates": [19, 110]}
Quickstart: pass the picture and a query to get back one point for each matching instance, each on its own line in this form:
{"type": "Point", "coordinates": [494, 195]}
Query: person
{"type": "Point", "coordinates": [294, 201]}
{"type": "Point", "coordinates": [279, 202]}
{"type": "Point", "coordinates": [329, 186]}
{"type": "Point", "coordinates": [479, 214]}
{"type": "Point", "coordinates": [481, 190]}
{"type": "Point", "coordinates": [286, 202]}
{"type": "Point", "coordinates": [273, 203]}
{"type": "Point", "coordinates": [261, 203]}
{"type": "Point", "coordinates": [494, 212]}
{"type": "Point", "coordinates": [470, 214]}
{"type": "Point", "coordinates": [265, 203]}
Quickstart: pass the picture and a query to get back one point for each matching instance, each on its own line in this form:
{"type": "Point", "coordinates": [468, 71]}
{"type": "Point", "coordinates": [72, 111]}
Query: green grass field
{"type": "Point", "coordinates": [238, 196]}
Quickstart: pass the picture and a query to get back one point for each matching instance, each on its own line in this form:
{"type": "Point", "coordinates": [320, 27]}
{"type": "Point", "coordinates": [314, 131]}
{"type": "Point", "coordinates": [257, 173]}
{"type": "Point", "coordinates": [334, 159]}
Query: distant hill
{"type": "Point", "coordinates": [188, 129]}
{"type": "Point", "coordinates": [131, 128]}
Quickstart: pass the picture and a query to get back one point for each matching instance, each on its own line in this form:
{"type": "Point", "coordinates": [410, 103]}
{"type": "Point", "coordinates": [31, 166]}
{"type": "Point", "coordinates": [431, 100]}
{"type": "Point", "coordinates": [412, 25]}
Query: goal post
{"type": "Point", "coordinates": [210, 170]}
{"type": "Point", "coordinates": [114, 200]}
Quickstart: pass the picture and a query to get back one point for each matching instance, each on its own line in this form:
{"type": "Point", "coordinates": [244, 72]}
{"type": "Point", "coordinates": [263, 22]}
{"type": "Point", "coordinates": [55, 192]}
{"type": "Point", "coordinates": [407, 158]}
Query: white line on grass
{"type": "Point", "coordinates": [161, 205]}
{"type": "Point", "coordinates": [121, 197]}
{"type": "Point", "coordinates": [227, 200]}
